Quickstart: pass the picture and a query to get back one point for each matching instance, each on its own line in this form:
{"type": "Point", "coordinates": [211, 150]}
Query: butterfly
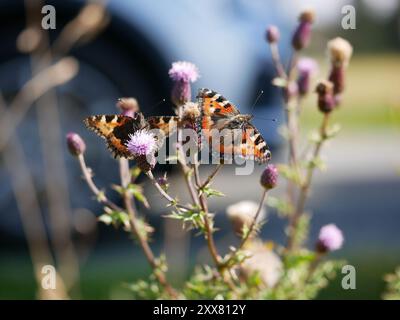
{"type": "Point", "coordinates": [215, 113]}
{"type": "Point", "coordinates": [218, 113]}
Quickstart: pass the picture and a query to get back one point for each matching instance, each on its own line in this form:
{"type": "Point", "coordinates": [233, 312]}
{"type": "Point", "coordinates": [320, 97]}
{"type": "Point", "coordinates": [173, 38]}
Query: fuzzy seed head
{"type": "Point", "coordinates": [340, 51]}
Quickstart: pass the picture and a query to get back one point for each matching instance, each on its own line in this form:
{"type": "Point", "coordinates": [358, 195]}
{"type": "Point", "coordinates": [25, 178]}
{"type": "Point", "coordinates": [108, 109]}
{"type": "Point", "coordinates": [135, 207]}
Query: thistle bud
{"type": "Point", "coordinates": [269, 177]}
{"type": "Point", "coordinates": [330, 239]}
{"type": "Point", "coordinates": [302, 35]}
{"type": "Point", "coordinates": [75, 143]}
{"type": "Point", "coordinates": [272, 34]}
{"type": "Point", "coordinates": [182, 73]}
{"type": "Point", "coordinates": [128, 106]}
{"type": "Point", "coordinates": [326, 99]}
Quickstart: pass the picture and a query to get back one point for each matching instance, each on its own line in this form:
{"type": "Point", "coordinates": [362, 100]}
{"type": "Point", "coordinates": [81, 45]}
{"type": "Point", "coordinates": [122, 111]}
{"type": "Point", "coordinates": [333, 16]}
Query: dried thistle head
{"type": "Point", "coordinates": [243, 213]}
{"type": "Point", "coordinates": [307, 16]}
{"type": "Point", "coordinates": [262, 260]}
{"type": "Point", "coordinates": [190, 111]}
{"type": "Point", "coordinates": [340, 51]}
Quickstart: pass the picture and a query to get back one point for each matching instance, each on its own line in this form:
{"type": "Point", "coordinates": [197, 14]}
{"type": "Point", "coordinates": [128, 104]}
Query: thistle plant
{"type": "Point", "coordinates": [252, 268]}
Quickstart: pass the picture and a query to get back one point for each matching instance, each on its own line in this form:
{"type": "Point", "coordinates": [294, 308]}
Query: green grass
{"type": "Point", "coordinates": [104, 277]}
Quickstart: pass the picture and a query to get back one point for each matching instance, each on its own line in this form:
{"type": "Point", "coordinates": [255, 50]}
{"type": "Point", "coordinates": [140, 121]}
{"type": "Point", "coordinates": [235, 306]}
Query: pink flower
{"type": "Point", "coordinates": [330, 238]}
{"type": "Point", "coordinates": [183, 71]}
{"type": "Point", "coordinates": [141, 143]}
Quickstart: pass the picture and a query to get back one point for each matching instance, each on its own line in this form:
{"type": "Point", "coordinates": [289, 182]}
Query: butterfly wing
{"type": "Point", "coordinates": [215, 110]}
{"type": "Point", "coordinates": [253, 146]}
{"type": "Point", "coordinates": [167, 124]}
{"type": "Point", "coordinates": [115, 129]}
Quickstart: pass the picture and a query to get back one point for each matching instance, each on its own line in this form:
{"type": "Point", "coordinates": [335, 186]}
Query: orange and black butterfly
{"type": "Point", "coordinates": [216, 113]}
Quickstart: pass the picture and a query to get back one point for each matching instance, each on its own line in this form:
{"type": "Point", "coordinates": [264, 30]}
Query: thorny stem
{"type": "Point", "coordinates": [305, 187]}
{"type": "Point", "coordinates": [204, 207]}
{"type": "Point", "coordinates": [88, 177]}
{"type": "Point", "coordinates": [187, 172]}
{"type": "Point", "coordinates": [211, 176]}
{"type": "Point", "coordinates": [226, 276]}
{"type": "Point", "coordinates": [171, 200]}
{"type": "Point", "coordinates": [291, 120]}
{"type": "Point", "coordinates": [199, 200]}
{"type": "Point", "coordinates": [127, 197]}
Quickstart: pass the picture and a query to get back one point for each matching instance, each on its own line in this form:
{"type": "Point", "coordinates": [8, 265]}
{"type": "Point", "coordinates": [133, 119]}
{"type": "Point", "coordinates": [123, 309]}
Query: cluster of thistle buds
{"type": "Point", "coordinates": [340, 51]}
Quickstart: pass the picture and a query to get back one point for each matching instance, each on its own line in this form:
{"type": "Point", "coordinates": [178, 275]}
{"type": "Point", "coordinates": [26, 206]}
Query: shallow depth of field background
{"type": "Point", "coordinates": [359, 191]}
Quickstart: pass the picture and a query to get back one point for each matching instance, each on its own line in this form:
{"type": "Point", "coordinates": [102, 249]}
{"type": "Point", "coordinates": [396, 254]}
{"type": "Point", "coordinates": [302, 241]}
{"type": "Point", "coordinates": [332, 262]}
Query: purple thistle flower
{"type": "Point", "coordinates": [141, 143]}
{"type": "Point", "coordinates": [183, 71]}
{"type": "Point", "coordinates": [75, 143]}
{"type": "Point", "coordinates": [330, 238]}
{"type": "Point", "coordinates": [269, 177]}
{"type": "Point", "coordinates": [306, 68]}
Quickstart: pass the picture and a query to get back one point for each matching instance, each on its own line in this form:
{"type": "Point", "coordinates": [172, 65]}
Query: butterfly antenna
{"type": "Point", "coordinates": [255, 101]}
{"type": "Point", "coordinates": [157, 104]}
{"type": "Point", "coordinates": [268, 119]}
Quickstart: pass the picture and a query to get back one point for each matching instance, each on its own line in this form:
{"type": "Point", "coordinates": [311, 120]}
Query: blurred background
{"type": "Point", "coordinates": [99, 51]}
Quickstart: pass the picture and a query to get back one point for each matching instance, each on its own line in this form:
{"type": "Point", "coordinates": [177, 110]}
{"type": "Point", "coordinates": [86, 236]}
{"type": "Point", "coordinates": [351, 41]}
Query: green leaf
{"type": "Point", "coordinates": [105, 218]}
{"type": "Point", "coordinates": [192, 218]}
{"type": "Point", "coordinates": [317, 162]}
{"type": "Point", "coordinates": [315, 136]}
{"type": "Point", "coordinates": [135, 172]}
{"type": "Point", "coordinates": [211, 192]}
{"type": "Point", "coordinates": [115, 218]}
{"type": "Point", "coordinates": [333, 130]}
{"type": "Point", "coordinates": [137, 192]}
